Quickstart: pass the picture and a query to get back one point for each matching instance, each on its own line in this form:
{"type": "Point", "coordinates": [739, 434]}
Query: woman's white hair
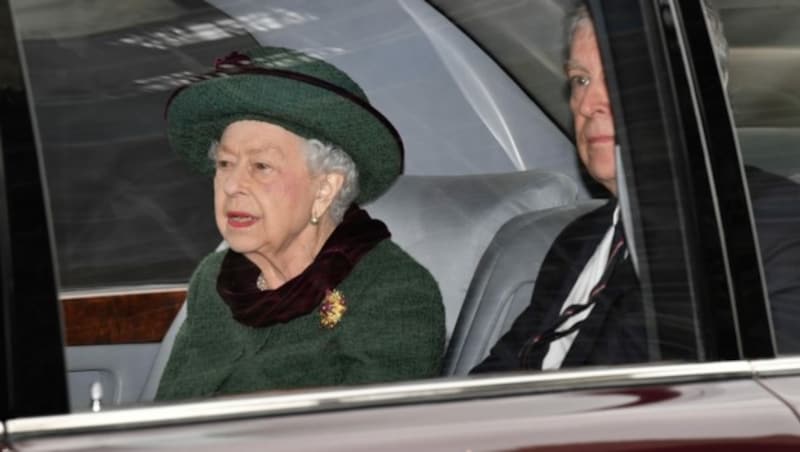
{"type": "Point", "coordinates": [323, 158]}
{"type": "Point", "coordinates": [713, 21]}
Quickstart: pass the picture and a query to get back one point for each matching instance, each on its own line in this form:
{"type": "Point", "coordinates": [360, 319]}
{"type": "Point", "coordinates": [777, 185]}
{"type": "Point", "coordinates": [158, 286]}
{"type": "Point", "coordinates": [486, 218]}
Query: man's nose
{"type": "Point", "coordinates": [595, 99]}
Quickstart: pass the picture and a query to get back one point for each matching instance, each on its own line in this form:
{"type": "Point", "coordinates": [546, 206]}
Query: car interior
{"type": "Point", "coordinates": [490, 172]}
{"type": "Point", "coordinates": [447, 208]}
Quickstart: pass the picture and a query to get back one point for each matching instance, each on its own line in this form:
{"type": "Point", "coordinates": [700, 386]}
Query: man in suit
{"type": "Point", "coordinates": [586, 307]}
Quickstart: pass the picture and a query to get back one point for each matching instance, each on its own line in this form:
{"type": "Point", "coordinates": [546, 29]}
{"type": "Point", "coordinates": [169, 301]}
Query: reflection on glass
{"type": "Point", "coordinates": [762, 62]}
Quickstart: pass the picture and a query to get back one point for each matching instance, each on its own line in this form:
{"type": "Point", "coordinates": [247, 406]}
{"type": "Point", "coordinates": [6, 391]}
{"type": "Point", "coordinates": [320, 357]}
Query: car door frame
{"type": "Point", "coordinates": [706, 252]}
{"type": "Point", "coordinates": [31, 345]}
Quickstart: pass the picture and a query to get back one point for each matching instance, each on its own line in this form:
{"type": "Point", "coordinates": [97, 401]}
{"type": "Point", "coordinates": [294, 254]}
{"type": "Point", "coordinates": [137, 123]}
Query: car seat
{"type": "Point", "coordinates": [502, 285]}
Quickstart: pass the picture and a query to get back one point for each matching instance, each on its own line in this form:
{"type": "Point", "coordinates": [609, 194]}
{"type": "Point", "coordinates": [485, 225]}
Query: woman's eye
{"type": "Point", "coordinates": [261, 166]}
{"type": "Point", "coordinates": [222, 164]}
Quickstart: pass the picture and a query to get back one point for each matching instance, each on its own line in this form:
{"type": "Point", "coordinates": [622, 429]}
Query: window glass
{"type": "Point", "coordinates": [764, 42]}
{"type": "Point", "coordinates": [474, 88]}
{"type": "Point", "coordinates": [479, 94]}
{"type": "Point", "coordinates": [669, 317]}
{"type": "Point", "coordinates": [533, 55]}
{"type": "Point", "coordinates": [127, 213]}
{"type": "Point", "coordinates": [132, 222]}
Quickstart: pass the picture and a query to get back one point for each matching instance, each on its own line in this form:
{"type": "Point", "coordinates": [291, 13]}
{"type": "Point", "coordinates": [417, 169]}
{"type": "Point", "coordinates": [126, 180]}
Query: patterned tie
{"type": "Point", "coordinates": [538, 344]}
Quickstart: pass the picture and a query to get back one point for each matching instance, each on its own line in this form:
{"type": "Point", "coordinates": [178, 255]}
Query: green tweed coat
{"type": "Point", "coordinates": [393, 329]}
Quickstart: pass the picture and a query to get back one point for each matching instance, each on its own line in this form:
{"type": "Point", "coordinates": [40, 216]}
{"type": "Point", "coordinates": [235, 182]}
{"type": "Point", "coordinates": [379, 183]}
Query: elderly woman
{"type": "Point", "coordinates": [311, 292]}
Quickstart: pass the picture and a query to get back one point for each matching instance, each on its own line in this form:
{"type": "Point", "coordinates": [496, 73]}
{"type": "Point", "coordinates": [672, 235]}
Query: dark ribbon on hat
{"type": "Point", "coordinates": [354, 237]}
{"type": "Point", "coordinates": [231, 60]}
{"type": "Point", "coordinates": [236, 63]}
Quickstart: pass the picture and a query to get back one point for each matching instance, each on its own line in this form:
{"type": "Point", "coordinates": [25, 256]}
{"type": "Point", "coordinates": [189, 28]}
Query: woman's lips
{"type": "Point", "coordinates": [240, 219]}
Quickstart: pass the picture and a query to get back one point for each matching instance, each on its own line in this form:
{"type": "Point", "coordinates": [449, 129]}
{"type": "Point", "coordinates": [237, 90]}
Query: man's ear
{"type": "Point", "coordinates": [330, 184]}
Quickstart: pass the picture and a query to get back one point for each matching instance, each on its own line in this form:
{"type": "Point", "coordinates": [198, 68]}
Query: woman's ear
{"type": "Point", "coordinates": [330, 184]}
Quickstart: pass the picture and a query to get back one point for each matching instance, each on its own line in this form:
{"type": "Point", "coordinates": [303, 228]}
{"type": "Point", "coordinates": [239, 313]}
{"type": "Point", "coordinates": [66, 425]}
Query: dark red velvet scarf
{"type": "Point", "coordinates": [351, 240]}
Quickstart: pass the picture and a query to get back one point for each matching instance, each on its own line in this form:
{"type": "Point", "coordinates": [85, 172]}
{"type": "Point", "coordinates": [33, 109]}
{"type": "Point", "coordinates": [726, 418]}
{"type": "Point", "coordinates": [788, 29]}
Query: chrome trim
{"type": "Point", "coordinates": [122, 290]}
{"type": "Point", "coordinates": [442, 390]}
{"type": "Point", "coordinates": [776, 367]}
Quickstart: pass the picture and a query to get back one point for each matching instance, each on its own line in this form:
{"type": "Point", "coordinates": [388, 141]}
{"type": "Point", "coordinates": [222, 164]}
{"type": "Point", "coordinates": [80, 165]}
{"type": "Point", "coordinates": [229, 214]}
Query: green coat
{"type": "Point", "coordinates": [393, 329]}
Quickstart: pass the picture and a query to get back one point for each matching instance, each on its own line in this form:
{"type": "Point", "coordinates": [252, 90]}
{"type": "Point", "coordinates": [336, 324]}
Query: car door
{"type": "Point", "coordinates": [700, 272]}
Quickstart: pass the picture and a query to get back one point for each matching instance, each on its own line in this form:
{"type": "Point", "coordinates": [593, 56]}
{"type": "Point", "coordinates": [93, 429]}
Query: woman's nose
{"type": "Point", "coordinates": [235, 180]}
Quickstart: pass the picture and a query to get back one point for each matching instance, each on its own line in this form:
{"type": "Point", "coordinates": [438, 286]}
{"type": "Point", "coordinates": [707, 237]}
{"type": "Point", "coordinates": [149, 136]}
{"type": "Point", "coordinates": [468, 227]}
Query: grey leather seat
{"type": "Point", "coordinates": [160, 361]}
{"type": "Point", "coordinates": [503, 282]}
{"type": "Point", "coordinates": [446, 223]}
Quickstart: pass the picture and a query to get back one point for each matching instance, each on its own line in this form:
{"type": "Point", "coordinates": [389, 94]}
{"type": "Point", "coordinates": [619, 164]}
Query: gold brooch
{"type": "Point", "coordinates": [332, 309]}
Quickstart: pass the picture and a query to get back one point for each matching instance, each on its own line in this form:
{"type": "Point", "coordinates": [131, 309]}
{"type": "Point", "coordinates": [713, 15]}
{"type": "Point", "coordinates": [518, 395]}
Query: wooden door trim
{"type": "Point", "coordinates": [120, 318]}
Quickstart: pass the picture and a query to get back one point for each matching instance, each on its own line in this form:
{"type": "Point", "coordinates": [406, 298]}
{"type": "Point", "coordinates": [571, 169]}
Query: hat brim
{"type": "Point", "coordinates": [200, 113]}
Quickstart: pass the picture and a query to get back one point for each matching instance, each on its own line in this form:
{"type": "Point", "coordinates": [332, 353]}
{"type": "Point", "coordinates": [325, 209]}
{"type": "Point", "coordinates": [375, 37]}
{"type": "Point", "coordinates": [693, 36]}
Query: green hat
{"type": "Point", "coordinates": [302, 94]}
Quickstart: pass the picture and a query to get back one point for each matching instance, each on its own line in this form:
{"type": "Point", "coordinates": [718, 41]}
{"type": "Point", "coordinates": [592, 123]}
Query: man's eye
{"type": "Point", "coordinates": [222, 164]}
{"type": "Point", "coordinates": [577, 81]}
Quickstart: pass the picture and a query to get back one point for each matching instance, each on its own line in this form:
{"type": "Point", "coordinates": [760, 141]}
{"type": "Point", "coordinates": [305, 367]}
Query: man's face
{"type": "Point", "coordinates": [591, 111]}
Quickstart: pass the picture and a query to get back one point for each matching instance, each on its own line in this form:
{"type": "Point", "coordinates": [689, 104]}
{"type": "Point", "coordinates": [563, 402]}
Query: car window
{"type": "Point", "coordinates": [131, 222]}
{"type": "Point", "coordinates": [125, 211]}
{"type": "Point", "coordinates": [677, 301]}
{"type": "Point", "coordinates": [767, 118]}
{"type": "Point", "coordinates": [474, 88]}
{"type": "Point", "coordinates": [129, 218]}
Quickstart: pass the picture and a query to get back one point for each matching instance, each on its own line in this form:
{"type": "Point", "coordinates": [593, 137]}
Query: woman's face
{"type": "Point", "coordinates": [263, 190]}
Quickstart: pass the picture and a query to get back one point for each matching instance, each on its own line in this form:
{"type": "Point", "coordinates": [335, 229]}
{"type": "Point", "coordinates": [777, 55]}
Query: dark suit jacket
{"type": "Point", "coordinates": [776, 209]}
{"type": "Point", "coordinates": [614, 332]}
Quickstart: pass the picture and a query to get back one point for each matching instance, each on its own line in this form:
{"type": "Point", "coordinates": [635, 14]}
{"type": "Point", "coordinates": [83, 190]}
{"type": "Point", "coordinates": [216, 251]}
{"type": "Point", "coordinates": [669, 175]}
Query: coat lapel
{"type": "Point", "coordinates": [569, 256]}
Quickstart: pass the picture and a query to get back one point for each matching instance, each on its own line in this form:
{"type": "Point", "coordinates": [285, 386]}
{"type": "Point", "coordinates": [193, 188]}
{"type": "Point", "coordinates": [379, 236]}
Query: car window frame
{"type": "Point", "coordinates": [696, 237]}
{"type": "Point", "coordinates": [32, 346]}
{"type": "Point", "coordinates": [729, 185]}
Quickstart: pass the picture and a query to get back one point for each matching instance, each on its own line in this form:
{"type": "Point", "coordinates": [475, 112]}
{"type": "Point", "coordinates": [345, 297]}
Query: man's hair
{"type": "Point", "coordinates": [713, 21]}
